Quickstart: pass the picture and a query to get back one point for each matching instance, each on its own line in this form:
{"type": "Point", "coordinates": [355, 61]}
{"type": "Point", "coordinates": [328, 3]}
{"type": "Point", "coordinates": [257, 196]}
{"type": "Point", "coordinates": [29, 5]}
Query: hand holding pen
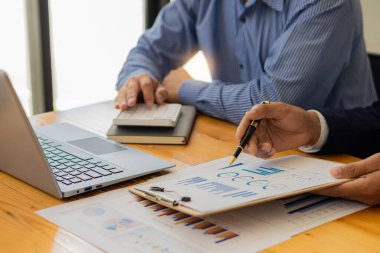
{"type": "Point", "coordinates": [286, 127]}
{"type": "Point", "coordinates": [246, 137]}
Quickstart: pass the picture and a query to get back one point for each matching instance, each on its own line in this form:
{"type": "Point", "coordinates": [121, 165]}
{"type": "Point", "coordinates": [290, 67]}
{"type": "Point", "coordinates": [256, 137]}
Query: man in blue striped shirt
{"type": "Point", "coordinates": [309, 53]}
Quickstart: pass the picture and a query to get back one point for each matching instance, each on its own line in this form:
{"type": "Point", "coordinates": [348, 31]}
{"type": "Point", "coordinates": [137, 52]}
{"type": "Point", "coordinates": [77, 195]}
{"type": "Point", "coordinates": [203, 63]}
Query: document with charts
{"type": "Point", "coordinates": [119, 221]}
{"type": "Point", "coordinates": [214, 187]}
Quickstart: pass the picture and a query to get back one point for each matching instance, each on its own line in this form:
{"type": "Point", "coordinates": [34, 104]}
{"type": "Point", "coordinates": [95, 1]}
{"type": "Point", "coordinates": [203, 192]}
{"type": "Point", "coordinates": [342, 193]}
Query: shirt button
{"type": "Point", "coordinates": [241, 66]}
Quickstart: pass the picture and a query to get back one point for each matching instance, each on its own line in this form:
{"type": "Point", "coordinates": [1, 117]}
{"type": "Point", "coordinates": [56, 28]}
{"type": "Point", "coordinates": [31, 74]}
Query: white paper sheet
{"type": "Point", "coordinates": [213, 186]}
{"type": "Point", "coordinates": [119, 221]}
{"type": "Point", "coordinates": [122, 222]}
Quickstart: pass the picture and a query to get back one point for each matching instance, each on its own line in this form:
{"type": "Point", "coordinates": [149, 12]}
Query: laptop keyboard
{"type": "Point", "coordinates": [71, 166]}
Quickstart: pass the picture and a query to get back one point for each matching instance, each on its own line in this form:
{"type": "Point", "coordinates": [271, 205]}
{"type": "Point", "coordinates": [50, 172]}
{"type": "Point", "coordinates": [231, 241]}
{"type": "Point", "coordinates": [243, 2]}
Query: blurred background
{"type": "Point", "coordinates": [62, 54]}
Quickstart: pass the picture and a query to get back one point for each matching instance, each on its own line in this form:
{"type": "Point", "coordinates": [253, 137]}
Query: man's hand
{"type": "Point", "coordinates": [282, 127]}
{"type": "Point", "coordinates": [173, 82]}
{"type": "Point", "coordinates": [366, 184]}
{"type": "Point", "coordinates": [152, 92]}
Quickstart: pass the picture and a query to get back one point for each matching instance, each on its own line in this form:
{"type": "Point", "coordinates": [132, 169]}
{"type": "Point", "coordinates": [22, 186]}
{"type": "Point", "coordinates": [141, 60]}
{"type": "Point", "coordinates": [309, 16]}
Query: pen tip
{"type": "Point", "coordinates": [232, 160]}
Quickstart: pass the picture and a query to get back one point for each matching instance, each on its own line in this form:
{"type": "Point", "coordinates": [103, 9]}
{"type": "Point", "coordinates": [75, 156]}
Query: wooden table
{"type": "Point", "coordinates": [21, 230]}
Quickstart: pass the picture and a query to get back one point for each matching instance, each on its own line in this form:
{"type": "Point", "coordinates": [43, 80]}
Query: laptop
{"type": "Point", "coordinates": [61, 159]}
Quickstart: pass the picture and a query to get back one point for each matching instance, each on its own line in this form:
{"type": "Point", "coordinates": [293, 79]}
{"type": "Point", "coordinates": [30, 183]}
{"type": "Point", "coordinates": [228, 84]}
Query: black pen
{"type": "Point", "coordinates": [247, 136]}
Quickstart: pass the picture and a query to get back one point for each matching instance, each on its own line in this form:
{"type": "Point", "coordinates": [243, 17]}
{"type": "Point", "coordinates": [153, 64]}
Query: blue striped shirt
{"type": "Point", "coordinates": [310, 53]}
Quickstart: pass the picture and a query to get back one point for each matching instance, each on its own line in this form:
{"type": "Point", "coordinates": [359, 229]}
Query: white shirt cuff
{"type": "Point", "coordinates": [322, 138]}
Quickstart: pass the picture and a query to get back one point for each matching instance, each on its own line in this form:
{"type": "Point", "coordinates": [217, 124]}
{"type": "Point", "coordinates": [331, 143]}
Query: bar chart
{"type": "Point", "coordinates": [306, 203]}
{"type": "Point", "coordinates": [216, 188]}
{"type": "Point", "coordinates": [205, 227]}
{"type": "Point", "coordinates": [263, 171]}
{"type": "Point", "coordinates": [242, 194]}
{"type": "Point", "coordinates": [190, 181]}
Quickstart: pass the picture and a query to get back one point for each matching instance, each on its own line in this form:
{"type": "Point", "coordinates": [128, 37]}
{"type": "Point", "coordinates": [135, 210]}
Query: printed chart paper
{"type": "Point", "coordinates": [124, 222]}
{"type": "Point", "coordinates": [213, 186]}
{"type": "Point", "coordinates": [119, 221]}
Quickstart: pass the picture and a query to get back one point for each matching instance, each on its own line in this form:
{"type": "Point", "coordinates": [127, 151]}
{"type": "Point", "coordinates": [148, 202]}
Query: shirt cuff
{"type": "Point", "coordinates": [190, 91]}
{"type": "Point", "coordinates": [322, 138]}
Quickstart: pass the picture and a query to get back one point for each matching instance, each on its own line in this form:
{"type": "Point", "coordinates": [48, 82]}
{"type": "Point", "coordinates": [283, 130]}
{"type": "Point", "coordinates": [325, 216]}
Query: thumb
{"type": "Point", "coordinates": [260, 111]}
{"type": "Point", "coordinates": [161, 94]}
{"type": "Point", "coordinates": [357, 169]}
{"type": "Point", "coordinates": [346, 171]}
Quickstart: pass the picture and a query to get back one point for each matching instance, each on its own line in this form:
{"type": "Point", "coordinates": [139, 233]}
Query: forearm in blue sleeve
{"type": "Point", "coordinates": [301, 69]}
{"type": "Point", "coordinates": [225, 101]}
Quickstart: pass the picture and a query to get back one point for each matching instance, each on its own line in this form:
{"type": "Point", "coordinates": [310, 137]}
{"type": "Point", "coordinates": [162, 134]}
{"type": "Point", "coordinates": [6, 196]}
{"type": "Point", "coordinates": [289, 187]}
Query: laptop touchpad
{"type": "Point", "coordinates": [96, 146]}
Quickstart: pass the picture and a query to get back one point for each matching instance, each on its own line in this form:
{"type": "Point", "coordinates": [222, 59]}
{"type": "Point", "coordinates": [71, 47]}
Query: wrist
{"type": "Point", "coordinates": [172, 96]}
{"type": "Point", "coordinates": [190, 91]}
{"type": "Point", "coordinates": [314, 128]}
{"type": "Point", "coordinates": [318, 128]}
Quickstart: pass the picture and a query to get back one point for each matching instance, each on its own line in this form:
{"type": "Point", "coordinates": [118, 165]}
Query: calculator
{"type": "Point", "coordinates": [165, 115]}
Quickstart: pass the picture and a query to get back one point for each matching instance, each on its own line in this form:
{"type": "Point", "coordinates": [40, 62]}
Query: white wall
{"type": "Point", "coordinates": [13, 48]}
{"type": "Point", "coordinates": [371, 17]}
{"type": "Point", "coordinates": [90, 41]}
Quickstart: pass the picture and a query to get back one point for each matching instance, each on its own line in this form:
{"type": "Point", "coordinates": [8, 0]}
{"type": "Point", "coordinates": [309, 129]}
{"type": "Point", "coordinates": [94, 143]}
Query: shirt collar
{"type": "Point", "coordinates": [277, 5]}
